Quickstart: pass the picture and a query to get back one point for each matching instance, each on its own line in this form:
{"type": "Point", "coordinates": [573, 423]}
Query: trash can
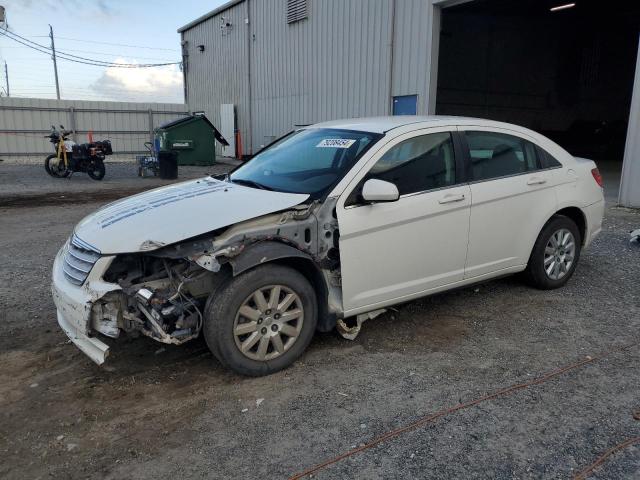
{"type": "Point", "coordinates": [193, 138]}
{"type": "Point", "coordinates": [168, 165]}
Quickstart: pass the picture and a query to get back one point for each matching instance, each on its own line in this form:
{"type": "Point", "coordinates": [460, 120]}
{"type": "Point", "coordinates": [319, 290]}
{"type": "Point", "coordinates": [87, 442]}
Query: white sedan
{"type": "Point", "coordinates": [324, 228]}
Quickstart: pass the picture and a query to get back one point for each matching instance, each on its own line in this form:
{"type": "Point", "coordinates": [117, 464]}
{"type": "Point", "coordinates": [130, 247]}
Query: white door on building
{"type": "Point", "coordinates": [228, 128]}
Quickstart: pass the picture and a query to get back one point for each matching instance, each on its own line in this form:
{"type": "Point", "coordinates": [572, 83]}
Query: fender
{"type": "Point", "coordinates": [263, 252]}
{"type": "Point", "coordinates": [559, 207]}
{"type": "Point", "coordinates": [268, 251]}
{"type": "Point", "coordinates": [550, 215]}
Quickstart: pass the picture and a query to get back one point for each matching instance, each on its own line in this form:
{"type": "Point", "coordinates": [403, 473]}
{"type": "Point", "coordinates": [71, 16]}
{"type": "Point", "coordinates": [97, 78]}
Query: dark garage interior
{"type": "Point", "coordinates": [567, 74]}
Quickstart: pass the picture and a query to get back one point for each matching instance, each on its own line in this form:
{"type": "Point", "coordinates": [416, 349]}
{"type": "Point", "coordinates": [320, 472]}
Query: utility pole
{"type": "Point", "coordinates": [55, 65]}
{"type": "Point", "coordinates": [6, 76]}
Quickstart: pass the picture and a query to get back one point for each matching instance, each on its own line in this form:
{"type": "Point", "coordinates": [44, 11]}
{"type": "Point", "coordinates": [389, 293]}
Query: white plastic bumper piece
{"type": "Point", "coordinates": [73, 304]}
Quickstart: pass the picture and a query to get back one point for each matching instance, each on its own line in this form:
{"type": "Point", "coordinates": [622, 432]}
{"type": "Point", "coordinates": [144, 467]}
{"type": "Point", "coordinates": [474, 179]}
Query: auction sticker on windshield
{"type": "Point", "coordinates": [336, 143]}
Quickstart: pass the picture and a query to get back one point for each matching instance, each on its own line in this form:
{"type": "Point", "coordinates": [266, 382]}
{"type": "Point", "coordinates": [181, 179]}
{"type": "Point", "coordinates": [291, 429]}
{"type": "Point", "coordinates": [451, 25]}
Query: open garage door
{"type": "Point", "coordinates": [567, 73]}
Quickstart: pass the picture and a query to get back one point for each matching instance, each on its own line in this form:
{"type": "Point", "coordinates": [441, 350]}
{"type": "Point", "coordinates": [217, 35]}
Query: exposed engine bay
{"type": "Point", "coordinates": [161, 298]}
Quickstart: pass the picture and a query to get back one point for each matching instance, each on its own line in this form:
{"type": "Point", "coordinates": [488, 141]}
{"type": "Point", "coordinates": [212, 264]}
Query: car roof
{"type": "Point", "coordinates": [385, 124]}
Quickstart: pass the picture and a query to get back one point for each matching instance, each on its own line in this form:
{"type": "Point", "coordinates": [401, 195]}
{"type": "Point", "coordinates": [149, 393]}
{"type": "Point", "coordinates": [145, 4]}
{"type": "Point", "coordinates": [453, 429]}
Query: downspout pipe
{"type": "Point", "coordinates": [185, 64]}
{"type": "Point", "coordinates": [391, 60]}
{"type": "Point", "coordinates": [249, 96]}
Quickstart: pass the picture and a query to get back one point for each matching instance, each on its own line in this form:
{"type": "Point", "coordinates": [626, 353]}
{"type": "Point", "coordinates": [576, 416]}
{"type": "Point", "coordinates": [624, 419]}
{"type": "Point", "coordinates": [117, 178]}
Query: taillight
{"type": "Point", "coordinates": [597, 177]}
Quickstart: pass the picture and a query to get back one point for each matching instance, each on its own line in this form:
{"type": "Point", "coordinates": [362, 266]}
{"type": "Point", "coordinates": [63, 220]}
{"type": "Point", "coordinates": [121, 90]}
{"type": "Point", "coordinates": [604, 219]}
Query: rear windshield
{"type": "Point", "coordinates": [306, 161]}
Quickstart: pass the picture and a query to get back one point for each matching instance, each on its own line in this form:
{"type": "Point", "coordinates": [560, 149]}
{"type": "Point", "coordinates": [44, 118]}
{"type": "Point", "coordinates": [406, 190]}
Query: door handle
{"type": "Point", "coordinates": [451, 199]}
{"type": "Point", "coordinates": [536, 181]}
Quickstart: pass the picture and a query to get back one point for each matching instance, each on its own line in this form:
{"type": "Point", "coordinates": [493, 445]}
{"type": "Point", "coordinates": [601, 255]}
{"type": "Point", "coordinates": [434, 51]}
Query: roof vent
{"type": "Point", "coordinates": [296, 10]}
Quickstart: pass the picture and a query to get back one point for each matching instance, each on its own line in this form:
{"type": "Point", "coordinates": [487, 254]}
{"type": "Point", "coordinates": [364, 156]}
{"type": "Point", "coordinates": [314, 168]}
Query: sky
{"type": "Point", "coordinates": [122, 31]}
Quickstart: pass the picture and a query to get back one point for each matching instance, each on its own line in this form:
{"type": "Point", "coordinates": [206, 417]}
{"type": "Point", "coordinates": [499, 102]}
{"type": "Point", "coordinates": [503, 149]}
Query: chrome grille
{"type": "Point", "coordinates": [78, 260]}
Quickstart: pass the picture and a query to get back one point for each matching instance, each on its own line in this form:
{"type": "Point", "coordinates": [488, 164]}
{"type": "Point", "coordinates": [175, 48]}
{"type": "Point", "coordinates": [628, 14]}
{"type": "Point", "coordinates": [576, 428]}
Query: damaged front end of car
{"type": "Point", "coordinates": [163, 293]}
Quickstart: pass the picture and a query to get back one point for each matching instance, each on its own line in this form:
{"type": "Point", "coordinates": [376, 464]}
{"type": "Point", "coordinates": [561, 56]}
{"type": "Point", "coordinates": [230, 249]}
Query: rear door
{"type": "Point", "coordinates": [511, 199]}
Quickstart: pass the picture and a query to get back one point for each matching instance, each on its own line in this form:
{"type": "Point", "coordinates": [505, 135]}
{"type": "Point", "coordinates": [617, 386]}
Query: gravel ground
{"type": "Point", "coordinates": [155, 411]}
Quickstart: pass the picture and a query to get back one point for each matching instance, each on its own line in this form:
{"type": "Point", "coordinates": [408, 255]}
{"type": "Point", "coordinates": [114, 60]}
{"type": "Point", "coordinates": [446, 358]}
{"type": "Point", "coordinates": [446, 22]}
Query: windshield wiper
{"type": "Point", "coordinates": [250, 183]}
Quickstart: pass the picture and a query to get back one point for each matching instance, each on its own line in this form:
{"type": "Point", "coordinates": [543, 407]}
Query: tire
{"type": "Point", "coordinates": [55, 172]}
{"type": "Point", "coordinates": [222, 318]}
{"type": "Point", "coordinates": [559, 229]}
{"type": "Point", "coordinates": [96, 170]}
{"type": "Point", "coordinates": [46, 164]}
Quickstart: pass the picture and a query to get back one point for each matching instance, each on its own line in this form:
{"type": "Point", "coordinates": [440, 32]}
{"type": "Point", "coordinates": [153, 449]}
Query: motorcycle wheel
{"type": "Point", "coordinates": [54, 168]}
{"type": "Point", "coordinates": [96, 170]}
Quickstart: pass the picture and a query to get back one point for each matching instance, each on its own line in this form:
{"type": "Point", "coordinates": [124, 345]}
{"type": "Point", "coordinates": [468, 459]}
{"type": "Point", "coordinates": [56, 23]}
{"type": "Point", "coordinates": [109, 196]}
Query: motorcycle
{"type": "Point", "coordinates": [71, 157]}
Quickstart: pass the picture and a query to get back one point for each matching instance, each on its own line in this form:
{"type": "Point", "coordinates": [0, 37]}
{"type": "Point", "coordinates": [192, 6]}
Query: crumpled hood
{"type": "Point", "coordinates": [166, 215]}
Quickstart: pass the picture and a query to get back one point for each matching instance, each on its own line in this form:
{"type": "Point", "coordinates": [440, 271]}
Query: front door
{"type": "Point", "coordinates": [395, 251]}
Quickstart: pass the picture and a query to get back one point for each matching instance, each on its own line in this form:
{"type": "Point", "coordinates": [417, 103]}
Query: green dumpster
{"type": "Point", "coordinates": [193, 138]}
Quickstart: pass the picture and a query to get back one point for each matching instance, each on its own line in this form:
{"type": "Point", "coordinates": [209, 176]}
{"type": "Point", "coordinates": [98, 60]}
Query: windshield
{"type": "Point", "coordinates": [306, 161]}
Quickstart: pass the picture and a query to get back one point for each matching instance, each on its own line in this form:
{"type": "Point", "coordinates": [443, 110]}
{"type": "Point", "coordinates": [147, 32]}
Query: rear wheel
{"type": "Point", "coordinates": [261, 321]}
{"type": "Point", "coordinates": [555, 254]}
{"type": "Point", "coordinates": [96, 170]}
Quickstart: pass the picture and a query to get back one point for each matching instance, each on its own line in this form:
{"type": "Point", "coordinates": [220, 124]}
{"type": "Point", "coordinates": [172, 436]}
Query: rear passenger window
{"type": "Point", "coordinates": [418, 164]}
{"type": "Point", "coordinates": [548, 160]}
{"type": "Point", "coordinates": [498, 155]}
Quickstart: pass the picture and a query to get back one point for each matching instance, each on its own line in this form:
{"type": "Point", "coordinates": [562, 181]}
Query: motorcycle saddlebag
{"type": "Point", "coordinates": [105, 146]}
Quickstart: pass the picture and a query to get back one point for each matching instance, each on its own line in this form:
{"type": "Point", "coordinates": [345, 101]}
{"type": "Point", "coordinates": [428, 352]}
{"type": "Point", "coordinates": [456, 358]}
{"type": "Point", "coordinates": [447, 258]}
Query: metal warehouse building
{"type": "Point", "coordinates": [569, 69]}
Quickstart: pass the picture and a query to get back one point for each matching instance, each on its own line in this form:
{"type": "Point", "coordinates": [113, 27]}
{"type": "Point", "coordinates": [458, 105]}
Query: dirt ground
{"type": "Point", "coordinates": [156, 411]}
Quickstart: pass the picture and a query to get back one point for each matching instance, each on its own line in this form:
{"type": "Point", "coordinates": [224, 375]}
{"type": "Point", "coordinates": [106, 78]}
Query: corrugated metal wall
{"type": "Point", "coordinates": [25, 121]}
{"type": "Point", "coordinates": [335, 64]}
{"type": "Point", "coordinates": [219, 74]}
{"type": "Point", "coordinates": [412, 44]}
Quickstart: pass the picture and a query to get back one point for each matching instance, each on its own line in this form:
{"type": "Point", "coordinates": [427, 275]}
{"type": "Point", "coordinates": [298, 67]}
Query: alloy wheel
{"type": "Point", "coordinates": [268, 322]}
{"type": "Point", "coordinates": [559, 254]}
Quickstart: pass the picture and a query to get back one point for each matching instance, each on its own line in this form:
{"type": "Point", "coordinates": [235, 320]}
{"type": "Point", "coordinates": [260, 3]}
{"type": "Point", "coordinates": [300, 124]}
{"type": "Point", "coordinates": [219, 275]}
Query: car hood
{"type": "Point", "coordinates": [167, 215]}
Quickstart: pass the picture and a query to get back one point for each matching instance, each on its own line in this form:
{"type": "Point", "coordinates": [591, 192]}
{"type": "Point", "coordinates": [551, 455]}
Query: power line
{"type": "Point", "coordinates": [75, 58]}
{"type": "Point", "coordinates": [107, 43]}
{"type": "Point", "coordinates": [94, 52]}
{"type": "Point", "coordinates": [84, 60]}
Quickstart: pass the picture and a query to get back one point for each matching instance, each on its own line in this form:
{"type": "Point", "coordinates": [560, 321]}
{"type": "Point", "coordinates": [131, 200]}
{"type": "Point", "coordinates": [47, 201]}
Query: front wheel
{"type": "Point", "coordinates": [96, 170]}
{"type": "Point", "coordinates": [261, 321]}
{"type": "Point", "coordinates": [56, 167]}
{"type": "Point", "coordinates": [555, 254]}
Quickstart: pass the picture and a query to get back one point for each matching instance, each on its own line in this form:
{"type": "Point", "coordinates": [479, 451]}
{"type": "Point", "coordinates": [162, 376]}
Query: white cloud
{"type": "Point", "coordinates": [157, 84]}
{"type": "Point", "coordinates": [77, 7]}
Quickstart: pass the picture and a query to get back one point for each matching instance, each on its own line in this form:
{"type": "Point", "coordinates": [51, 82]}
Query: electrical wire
{"type": "Point", "coordinates": [76, 58]}
{"type": "Point", "coordinates": [107, 43]}
{"type": "Point", "coordinates": [14, 36]}
{"type": "Point", "coordinates": [106, 54]}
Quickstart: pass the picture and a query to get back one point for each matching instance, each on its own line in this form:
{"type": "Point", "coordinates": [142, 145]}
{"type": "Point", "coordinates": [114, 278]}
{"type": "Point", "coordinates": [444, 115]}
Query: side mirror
{"type": "Point", "coordinates": [375, 190]}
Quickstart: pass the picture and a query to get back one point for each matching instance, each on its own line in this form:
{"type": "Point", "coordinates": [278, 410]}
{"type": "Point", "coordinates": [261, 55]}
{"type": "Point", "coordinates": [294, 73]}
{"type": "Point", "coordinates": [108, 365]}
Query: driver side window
{"type": "Point", "coordinates": [418, 164]}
